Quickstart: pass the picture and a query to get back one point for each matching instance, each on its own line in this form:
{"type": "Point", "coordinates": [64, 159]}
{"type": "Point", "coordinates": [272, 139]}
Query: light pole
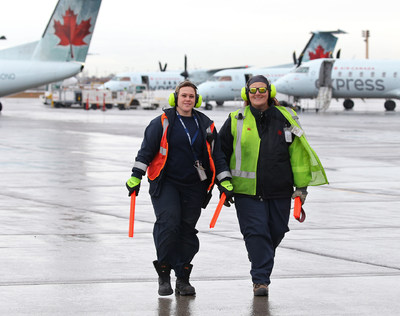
{"type": "Point", "coordinates": [365, 34]}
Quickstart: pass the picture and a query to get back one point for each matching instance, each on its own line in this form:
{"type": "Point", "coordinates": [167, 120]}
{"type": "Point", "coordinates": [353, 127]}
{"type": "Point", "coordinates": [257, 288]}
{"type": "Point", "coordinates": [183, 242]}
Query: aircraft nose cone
{"type": "Point", "coordinates": [282, 85]}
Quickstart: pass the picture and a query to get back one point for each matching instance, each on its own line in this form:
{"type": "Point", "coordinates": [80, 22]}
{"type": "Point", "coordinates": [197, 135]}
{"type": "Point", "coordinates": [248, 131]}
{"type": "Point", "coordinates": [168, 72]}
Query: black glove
{"type": "Point", "coordinates": [227, 188]}
{"type": "Point", "coordinates": [133, 185]}
{"type": "Point", "coordinates": [301, 193]}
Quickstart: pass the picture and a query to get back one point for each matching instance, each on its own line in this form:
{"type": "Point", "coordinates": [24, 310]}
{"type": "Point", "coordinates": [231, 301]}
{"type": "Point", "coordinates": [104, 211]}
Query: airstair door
{"type": "Point", "coordinates": [324, 97]}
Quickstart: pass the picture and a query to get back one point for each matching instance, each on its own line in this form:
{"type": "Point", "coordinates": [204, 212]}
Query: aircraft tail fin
{"type": "Point", "coordinates": [67, 35]}
{"type": "Point", "coordinates": [320, 45]}
{"type": "Point", "coordinates": [69, 31]}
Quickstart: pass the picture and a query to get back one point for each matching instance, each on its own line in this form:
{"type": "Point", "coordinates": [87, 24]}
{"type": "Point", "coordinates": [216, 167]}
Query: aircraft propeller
{"type": "Point", "coordinates": [162, 69]}
{"type": "Point", "coordinates": [185, 73]}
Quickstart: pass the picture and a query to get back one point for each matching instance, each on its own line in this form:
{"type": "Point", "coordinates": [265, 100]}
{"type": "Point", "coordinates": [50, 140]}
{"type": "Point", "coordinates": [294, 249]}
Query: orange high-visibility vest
{"type": "Point", "coordinates": [158, 163]}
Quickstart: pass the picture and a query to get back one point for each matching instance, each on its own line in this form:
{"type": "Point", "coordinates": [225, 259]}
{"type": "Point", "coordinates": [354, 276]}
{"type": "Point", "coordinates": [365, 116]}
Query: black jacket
{"type": "Point", "coordinates": [274, 172]}
{"type": "Point", "coordinates": [151, 145]}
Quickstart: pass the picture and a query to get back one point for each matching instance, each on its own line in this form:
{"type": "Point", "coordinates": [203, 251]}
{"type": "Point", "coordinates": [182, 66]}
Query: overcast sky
{"type": "Point", "coordinates": [135, 35]}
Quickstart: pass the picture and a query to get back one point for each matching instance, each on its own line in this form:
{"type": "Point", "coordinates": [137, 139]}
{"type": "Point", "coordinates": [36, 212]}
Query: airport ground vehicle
{"type": "Point", "coordinates": [94, 98]}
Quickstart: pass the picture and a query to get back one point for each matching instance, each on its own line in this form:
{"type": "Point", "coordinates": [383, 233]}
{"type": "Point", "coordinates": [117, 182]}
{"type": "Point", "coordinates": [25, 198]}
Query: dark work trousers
{"type": "Point", "coordinates": [177, 211]}
{"type": "Point", "coordinates": [263, 224]}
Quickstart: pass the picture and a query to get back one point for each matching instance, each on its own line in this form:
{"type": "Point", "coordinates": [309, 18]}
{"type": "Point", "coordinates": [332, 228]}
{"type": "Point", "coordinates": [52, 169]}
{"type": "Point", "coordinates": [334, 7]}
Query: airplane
{"type": "Point", "coordinates": [161, 80]}
{"type": "Point", "coordinates": [348, 79]}
{"type": "Point", "coordinates": [59, 54]}
{"type": "Point", "coordinates": [226, 85]}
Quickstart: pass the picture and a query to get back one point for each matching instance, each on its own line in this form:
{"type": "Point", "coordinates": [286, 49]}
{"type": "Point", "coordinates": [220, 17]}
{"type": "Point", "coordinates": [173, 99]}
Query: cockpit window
{"type": "Point", "coordinates": [221, 78]}
{"type": "Point", "coordinates": [302, 70]}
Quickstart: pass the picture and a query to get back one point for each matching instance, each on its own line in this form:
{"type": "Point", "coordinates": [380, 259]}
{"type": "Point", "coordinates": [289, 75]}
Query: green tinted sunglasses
{"type": "Point", "coordinates": [261, 90]}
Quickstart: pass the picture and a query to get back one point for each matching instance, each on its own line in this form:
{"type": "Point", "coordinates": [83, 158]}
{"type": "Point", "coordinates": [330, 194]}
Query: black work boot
{"type": "Point", "coordinates": [164, 280]}
{"type": "Point", "coordinates": [183, 287]}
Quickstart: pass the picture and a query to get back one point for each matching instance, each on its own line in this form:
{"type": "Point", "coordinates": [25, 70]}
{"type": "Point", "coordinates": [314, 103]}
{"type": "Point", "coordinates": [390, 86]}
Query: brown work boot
{"type": "Point", "coordinates": [260, 289]}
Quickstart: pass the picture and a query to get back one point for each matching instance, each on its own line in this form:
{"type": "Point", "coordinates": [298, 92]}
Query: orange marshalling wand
{"type": "Point", "coordinates": [298, 212]}
{"type": "Point", "coordinates": [132, 214]}
{"type": "Point", "coordinates": [218, 210]}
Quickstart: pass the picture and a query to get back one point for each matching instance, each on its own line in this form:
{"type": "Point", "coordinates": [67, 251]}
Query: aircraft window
{"type": "Point", "coordinates": [302, 70]}
{"type": "Point", "coordinates": [372, 74]}
{"type": "Point", "coordinates": [350, 74]}
{"type": "Point", "coordinates": [339, 73]}
{"type": "Point", "coordinates": [395, 75]}
{"type": "Point", "coordinates": [361, 74]}
{"type": "Point", "coordinates": [225, 78]}
{"type": "Point", "coordinates": [139, 89]}
{"type": "Point", "coordinates": [383, 74]}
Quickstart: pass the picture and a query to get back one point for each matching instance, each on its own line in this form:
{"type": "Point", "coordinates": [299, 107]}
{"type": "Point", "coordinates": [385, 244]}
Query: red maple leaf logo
{"type": "Point", "coordinates": [319, 53]}
{"type": "Point", "coordinates": [70, 33]}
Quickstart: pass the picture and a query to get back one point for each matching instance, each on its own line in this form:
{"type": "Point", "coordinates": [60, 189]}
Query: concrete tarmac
{"type": "Point", "coordinates": [64, 212]}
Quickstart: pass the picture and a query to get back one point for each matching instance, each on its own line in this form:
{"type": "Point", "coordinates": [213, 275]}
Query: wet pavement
{"type": "Point", "coordinates": [64, 212]}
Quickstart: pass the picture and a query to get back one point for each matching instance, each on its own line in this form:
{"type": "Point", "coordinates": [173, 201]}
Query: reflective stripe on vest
{"type": "Point", "coordinates": [158, 163]}
{"type": "Point", "coordinates": [243, 162]}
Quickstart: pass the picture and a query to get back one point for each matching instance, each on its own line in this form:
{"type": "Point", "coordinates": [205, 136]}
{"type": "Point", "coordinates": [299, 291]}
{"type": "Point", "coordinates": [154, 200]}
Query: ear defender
{"type": "Point", "coordinates": [272, 92]}
{"type": "Point", "coordinates": [244, 94]}
{"type": "Point", "coordinates": [173, 97]}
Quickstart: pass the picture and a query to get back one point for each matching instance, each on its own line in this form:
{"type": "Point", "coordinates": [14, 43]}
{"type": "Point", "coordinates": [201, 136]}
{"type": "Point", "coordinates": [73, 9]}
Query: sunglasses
{"type": "Point", "coordinates": [261, 90]}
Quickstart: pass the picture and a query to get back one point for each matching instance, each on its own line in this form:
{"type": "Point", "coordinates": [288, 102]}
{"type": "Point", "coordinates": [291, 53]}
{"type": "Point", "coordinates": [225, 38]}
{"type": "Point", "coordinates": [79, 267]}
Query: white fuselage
{"type": "Point", "coordinates": [19, 75]}
{"type": "Point", "coordinates": [167, 80]}
{"type": "Point", "coordinates": [349, 79]}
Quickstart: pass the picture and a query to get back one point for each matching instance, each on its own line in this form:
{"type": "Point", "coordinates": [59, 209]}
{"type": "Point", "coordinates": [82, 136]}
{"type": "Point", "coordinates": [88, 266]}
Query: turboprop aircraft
{"type": "Point", "coordinates": [161, 80]}
{"type": "Point", "coordinates": [324, 79]}
{"type": "Point", "coordinates": [226, 85]}
{"type": "Point", "coordinates": [59, 54]}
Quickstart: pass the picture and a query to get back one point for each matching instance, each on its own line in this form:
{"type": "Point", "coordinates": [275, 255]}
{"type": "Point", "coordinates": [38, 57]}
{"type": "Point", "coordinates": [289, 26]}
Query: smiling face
{"type": "Point", "coordinates": [186, 101]}
{"type": "Point", "coordinates": [259, 100]}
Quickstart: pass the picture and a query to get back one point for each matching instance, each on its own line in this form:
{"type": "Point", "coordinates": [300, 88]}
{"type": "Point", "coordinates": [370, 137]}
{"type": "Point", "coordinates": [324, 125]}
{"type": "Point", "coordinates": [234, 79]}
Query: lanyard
{"type": "Point", "coordinates": [191, 141]}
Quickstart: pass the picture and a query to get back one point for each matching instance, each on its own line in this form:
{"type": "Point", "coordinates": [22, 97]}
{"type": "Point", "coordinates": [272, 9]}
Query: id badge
{"type": "Point", "coordinates": [288, 135]}
{"type": "Point", "coordinates": [200, 170]}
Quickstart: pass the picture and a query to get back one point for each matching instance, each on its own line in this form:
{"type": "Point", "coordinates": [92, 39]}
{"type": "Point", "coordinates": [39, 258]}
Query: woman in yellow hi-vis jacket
{"type": "Point", "coordinates": [268, 155]}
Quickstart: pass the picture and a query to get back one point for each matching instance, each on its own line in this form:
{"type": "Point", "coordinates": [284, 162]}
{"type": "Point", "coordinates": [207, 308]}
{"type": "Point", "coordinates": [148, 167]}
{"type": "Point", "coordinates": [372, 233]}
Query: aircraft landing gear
{"type": "Point", "coordinates": [220, 103]}
{"type": "Point", "coordinates": [348, 104]}
{"type": "Point", "coordinates": [390, 105]}
{"type": "Point", "coordinates": [208, 106]}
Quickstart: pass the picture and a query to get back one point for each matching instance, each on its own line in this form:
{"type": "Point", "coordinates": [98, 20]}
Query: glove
{"type": "Point", "coordinates": [300, 192]}
{"type": "Point", "coordinates": [227, 188]}
{"type": "Point", "coordinates": [133, 185]}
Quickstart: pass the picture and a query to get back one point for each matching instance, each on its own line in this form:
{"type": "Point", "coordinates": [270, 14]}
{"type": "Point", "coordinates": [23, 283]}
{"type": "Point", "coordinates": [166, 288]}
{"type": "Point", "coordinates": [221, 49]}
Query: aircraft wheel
{"type": "Point", "coordinates": [348, 104]}
{"type": "Point", "coordinates": [390, 105]}
{"type": "Point", "coordinates": [208, 106]}
{"type": "Point", "coordinates": [109, 106]}
{"type": "Point", "coordinates": [220, 103]}
{"type": "Point", "coordinates": [93, 107]}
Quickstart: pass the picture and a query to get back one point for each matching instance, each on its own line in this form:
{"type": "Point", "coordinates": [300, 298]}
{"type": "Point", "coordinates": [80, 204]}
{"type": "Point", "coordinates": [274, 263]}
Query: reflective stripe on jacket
{"type": "Point", "coordinates": [158, 163]}
{"type": "Point", "coordinates": [306, 166]}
